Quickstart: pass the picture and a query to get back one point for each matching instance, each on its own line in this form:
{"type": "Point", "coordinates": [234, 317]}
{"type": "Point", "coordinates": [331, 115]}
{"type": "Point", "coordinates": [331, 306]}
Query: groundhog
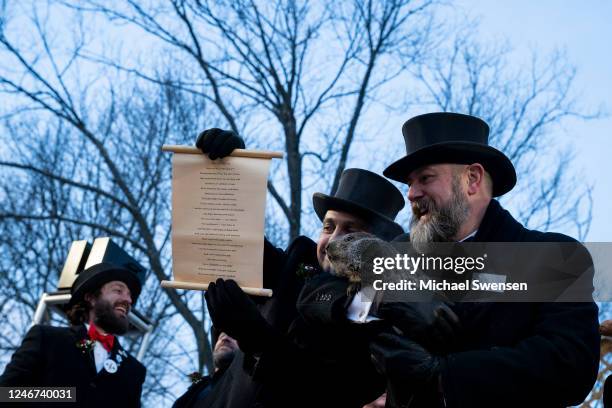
{"type": "Point", "coordinates": [351, 257]}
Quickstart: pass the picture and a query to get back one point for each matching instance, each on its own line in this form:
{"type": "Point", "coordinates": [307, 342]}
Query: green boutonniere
{"type": "Point", "coordinates": [85, 345]}
{"type": "Point", "coordinates": [306, 271]}
{"type": "Point", "coordinates": [195, 377]}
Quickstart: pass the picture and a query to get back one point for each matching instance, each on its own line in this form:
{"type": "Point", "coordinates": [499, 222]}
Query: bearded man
{"type": "Point", "coordinates": [510, 354]}
{"type": "Point", "coordinates": [87, 355]}
{"type": "Point", "coordinates": [224, 352]}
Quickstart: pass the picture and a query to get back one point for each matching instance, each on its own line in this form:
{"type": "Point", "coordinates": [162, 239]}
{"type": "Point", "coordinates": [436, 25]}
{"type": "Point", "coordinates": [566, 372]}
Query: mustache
{"type": "Point", "coordinates": [443, 221]}
{"type": "Point", "coordinates": [125, 305]}
{"type": "Point", "coordinates": [422, 206]}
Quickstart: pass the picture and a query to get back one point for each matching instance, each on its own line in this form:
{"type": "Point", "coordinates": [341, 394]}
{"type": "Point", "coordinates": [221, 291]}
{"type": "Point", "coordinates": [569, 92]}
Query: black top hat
{"type": "Point", "coordinates": [97, 275]}
{"type": "Point", "coordinates": [366, 195]}
{"type": "Point", "coordinates": [214, 336]}
{"type": "Point", "coordinates": [446, 137]}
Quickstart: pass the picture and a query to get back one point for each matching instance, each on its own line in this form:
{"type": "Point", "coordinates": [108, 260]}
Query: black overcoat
{"type": "Point", "coordinates": [191, 397]}
{"type": "Point", "coordinates": [520, 354]}
{"type": "Point", "coordinates": [49, 357]}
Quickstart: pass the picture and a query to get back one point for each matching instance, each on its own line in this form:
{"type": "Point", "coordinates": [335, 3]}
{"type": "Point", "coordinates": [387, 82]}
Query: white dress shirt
{"type": "Point", "coordinates": [99, 352]}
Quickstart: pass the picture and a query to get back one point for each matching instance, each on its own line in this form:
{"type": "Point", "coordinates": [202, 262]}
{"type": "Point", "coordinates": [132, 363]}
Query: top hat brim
{"type": "Point", "coordinates": [323, 202]}
{"type": "Point", "coordinates": [497, 164]}
{"type": "Point", "coordinates": [103, 276]}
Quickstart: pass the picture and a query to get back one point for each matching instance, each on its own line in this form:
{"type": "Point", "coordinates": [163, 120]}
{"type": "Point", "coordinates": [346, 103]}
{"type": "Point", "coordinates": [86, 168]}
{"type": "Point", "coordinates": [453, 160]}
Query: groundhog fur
{"type": "Point", "coordinates": [352, 257]}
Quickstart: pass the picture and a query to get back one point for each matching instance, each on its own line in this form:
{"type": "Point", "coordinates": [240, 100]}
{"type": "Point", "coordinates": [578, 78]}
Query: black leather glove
{"type": "Point", "coordinates": [408, 367]}
{"type": "Point", "coordinates": [218, 143]}
{"type": "Point", "coordinates": [324, 300]}
{"type": "Point", "coordinates": [233, 312]}
{"type": "Point", "coordinates": [432, 324]}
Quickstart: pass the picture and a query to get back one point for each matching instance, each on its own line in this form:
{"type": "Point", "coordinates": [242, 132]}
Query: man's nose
{"type": "Point", "coordinates": [337, 234]}
{"type": "Point", "coordinates": [414, 193]}
{"type": "Point", "coordinates": [327, 245]}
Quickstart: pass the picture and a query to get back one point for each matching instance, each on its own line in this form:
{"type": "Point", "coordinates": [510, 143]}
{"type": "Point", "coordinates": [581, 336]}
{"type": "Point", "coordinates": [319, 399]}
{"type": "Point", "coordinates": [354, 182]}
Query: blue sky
{"type": "Point", "coordinates": [584, 30]}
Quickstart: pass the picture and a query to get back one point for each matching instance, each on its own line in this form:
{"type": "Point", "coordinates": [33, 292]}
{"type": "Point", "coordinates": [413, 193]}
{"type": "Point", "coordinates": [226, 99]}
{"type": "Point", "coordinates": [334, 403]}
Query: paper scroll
{"type": "Point", "coordinates": [218, 218]}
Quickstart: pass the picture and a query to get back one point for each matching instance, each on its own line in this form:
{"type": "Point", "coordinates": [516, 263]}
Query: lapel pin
{"type": "Point", "coordinates": [110, 366]}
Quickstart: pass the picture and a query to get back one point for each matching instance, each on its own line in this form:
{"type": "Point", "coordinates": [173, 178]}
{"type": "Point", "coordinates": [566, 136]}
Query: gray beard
{"type": "Point", "coordinates": [443, 223]}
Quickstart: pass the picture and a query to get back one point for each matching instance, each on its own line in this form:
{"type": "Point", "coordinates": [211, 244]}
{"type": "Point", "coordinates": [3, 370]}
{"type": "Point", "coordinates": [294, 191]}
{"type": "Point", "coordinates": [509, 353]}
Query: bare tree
{"type": "Point", "coordinates": [283, 64]}
{"type": "Point", "coordinates": [525, 108]}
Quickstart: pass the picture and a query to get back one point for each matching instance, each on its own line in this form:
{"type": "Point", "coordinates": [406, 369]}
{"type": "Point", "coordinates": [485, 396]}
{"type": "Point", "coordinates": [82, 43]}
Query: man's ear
{"type": "Point", "coordinates": [90, 298]}
{"type": "Point", "coordinates": [476, 178]}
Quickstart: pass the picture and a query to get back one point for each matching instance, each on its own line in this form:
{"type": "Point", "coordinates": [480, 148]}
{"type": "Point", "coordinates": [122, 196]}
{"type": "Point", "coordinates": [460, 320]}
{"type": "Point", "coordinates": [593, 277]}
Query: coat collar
{"type": "Point", "coordinates": [498, 225]}
{"type": "Point", "coordinates": [80, 333]}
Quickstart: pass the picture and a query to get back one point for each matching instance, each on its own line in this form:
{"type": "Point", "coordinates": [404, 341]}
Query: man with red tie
{"type": "Point", "coordinates": [87, 355]}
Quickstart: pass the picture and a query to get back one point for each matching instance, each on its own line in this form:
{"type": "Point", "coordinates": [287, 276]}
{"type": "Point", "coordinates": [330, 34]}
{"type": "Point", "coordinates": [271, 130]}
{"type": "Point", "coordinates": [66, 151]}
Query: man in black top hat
{"type": "Point", "coordinates": [510, 354]}
{"type": "Point", "coordinates": [265, 373]}
{"type": "Point", "coordinates": [87, 355]}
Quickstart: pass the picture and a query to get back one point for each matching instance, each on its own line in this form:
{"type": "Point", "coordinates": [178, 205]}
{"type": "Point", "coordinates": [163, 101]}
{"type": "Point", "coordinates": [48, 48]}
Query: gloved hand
{"type": "Point", "coordinates": [233, 312]}
{"type": "Point", "coordinates": [432, 324]}
{"type": "Point", "coordinates": [218, 143]}
{"type": "Point", "coordinates": [408, 367]}
{"type": "Point", "coordinates": [324, 300]}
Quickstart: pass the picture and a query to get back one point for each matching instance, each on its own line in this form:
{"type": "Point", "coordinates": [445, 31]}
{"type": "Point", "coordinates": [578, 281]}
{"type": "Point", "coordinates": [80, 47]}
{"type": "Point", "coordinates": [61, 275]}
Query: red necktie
{"type": "Point", "coordinates": [107, 340]}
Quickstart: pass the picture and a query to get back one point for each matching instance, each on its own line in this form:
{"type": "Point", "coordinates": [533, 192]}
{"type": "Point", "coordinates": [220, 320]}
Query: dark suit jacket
{"type": "Point", "coordinates": [247, 381]}
{"type": "Point", "coordinates": [320, 362]}
{"type": "Point", "coordinates": [192, 397]}
{"type": "Point", "coordinates": [520, 354]}
{"type": "Point", "coordinates": [49, 357]}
